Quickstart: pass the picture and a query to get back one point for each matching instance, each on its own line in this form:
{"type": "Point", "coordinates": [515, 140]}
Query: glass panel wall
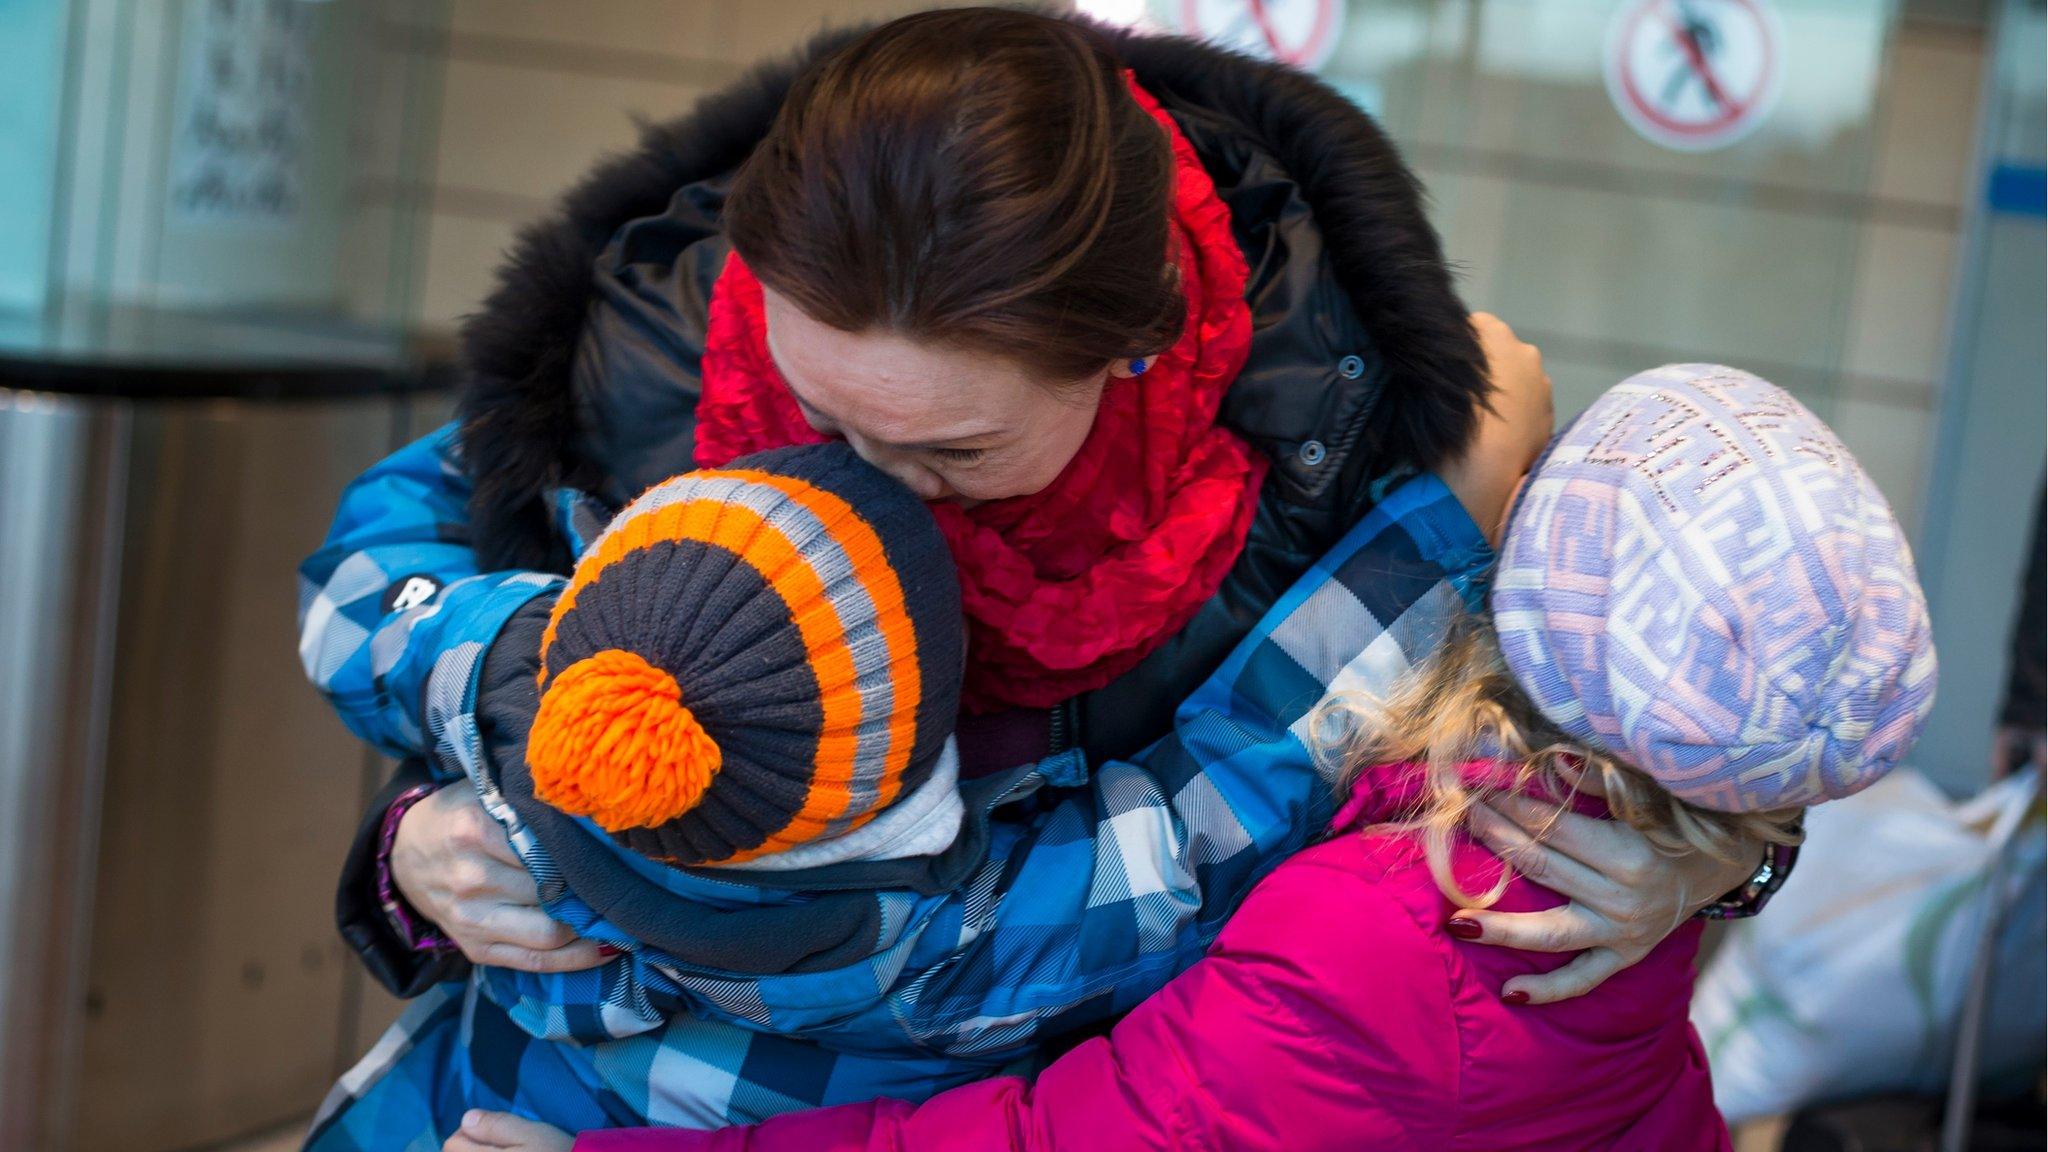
{"type": "Point", "coordinates": [32, 51]}
{"type": "Point", "coordinates": [219, 156]}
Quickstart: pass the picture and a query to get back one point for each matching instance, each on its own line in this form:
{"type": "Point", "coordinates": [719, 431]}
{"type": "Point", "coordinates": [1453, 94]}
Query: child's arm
{"type": "Point", "coordinates": [394, 610]}
{"type": "Point", "coordinates": [1109, 893]}
{"type": "Point", "coordinates": [1125, 883]}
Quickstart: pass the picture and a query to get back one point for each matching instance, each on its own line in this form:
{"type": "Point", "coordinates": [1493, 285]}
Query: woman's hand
{"type": "Point", "coordinates": [454, 864]}
{"type": "Point", "coordinates": [502, 1131]}
{"type": "Point", "coordinates": [1513, 427]}
{"type": "Point", "coordinates": [1625, 895]}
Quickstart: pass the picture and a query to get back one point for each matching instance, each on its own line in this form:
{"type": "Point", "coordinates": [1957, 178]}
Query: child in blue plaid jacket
{"type": "Point", "coordinates": [1068, 895]}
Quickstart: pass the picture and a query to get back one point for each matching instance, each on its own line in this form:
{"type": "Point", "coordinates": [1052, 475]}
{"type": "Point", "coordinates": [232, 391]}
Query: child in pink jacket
{"type": "Point", "coordinates": [1705, 618]}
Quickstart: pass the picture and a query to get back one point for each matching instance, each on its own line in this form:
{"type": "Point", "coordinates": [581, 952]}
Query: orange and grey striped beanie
{"type": "Point", "coordinates": [751, 658]}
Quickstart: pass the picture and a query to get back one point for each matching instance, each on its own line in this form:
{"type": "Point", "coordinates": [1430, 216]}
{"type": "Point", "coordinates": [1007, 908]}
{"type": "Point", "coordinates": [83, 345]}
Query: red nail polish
{"type": "Point", "coordinates": [1515, 997]}
{"type": "Point", "coordinates": [607, 951]}
{"type": "Point", "coordinates": [1464, 928]}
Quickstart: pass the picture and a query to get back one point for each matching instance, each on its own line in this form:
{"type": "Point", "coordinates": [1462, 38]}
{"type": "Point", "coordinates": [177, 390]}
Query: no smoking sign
{"type": "Point", "coordinates": [1694, 75]}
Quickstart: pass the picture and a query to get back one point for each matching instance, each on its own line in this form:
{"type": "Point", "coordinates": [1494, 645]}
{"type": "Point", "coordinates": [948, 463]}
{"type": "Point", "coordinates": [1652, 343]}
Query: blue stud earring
{"type": "Point", "coordinates": [1138, 367]}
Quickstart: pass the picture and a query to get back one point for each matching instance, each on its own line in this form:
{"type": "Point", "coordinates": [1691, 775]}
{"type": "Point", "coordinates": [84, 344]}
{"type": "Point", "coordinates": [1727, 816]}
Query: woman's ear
{"type": "Point", "coordinates": [1125, 369]}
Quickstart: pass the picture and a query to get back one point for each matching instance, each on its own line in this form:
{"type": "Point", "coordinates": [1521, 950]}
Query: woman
{"type": "Point", "coordinates": [1153, 340]}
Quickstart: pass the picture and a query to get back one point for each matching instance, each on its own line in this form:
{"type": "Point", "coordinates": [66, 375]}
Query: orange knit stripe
{"type": "Point", "coordinates": [857, 538]}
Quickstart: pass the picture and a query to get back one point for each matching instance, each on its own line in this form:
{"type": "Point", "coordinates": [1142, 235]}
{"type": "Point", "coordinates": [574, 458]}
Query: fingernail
{"type": "Point", "coordinates": [607, 951]}
{"type": "Point", "coordinates": [472, 1118]}
{"type": "Point", "coordinates": [1515, 997]}
{"type": "Point", "coordinates": [1464, 929]}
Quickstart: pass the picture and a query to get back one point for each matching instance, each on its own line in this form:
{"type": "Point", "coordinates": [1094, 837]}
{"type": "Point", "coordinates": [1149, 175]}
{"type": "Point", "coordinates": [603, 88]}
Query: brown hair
{"type": "Point", "coordinates": [977, 177]}
{"type": "Point", "coordinates": [1464, 705]}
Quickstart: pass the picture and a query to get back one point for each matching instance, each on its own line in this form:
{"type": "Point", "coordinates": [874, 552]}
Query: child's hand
{"type": "Point", "coordinates": [503, 1132]}
{"type": "Point", "coordinates": [1512, 429]}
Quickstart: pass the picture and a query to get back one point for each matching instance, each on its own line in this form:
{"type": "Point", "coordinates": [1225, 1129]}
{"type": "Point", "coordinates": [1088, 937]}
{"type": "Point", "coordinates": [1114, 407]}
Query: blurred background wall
{"type": "Point", "coordinates": [1873, 242]}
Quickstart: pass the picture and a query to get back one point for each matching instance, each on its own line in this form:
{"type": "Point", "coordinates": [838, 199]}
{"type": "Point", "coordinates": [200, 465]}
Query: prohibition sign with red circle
{"type": "Point", "coordinates": [1694, 75]}
{"type": "Point", "coordinates": [1298, 32]}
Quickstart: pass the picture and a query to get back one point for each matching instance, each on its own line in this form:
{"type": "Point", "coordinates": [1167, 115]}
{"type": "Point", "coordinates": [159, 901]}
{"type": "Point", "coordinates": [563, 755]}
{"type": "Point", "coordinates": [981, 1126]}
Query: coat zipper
{"type": "Point", "coordinates": [1061, 727]}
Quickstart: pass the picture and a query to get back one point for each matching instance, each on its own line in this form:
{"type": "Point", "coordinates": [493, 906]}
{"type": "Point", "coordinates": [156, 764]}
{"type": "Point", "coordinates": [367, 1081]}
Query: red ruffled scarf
{"type": "Point", "coordinates": [1068, 588]}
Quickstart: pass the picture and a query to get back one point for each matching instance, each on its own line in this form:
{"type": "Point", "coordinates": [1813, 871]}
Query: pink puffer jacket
{"type": "Point", "coordinates": [1333, 1012]}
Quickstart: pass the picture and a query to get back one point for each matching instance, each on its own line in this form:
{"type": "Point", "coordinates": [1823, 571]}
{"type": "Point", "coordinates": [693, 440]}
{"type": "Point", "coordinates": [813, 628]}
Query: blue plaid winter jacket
{"type": "Point", "coordinates": [394, 613]}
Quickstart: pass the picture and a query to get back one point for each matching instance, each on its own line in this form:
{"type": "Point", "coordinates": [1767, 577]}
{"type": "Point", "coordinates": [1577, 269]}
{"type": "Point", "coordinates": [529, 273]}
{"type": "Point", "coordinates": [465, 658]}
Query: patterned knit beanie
{"type": "Point", "coordinates": [750, 659]}
{"type": "Point", "coordinates": [1700, 579]}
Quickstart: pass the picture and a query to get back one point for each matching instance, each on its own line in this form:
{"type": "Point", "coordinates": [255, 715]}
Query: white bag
{"type": "Point", "coordinates": [1852, 981]}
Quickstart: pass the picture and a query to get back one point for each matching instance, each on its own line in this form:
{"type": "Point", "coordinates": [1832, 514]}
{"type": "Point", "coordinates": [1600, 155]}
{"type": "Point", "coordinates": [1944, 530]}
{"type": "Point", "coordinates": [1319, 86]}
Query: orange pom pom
{"type": "Point", "coordinates": [613, 742]}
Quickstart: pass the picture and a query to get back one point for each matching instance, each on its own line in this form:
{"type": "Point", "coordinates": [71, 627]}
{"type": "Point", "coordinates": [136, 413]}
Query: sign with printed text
{"type": "Point", "coordinates": [239, 149]}
{"type": "Point", "coordinates": [1298, 32]}
{"type": "Point", "coordinates": [1694, 75]}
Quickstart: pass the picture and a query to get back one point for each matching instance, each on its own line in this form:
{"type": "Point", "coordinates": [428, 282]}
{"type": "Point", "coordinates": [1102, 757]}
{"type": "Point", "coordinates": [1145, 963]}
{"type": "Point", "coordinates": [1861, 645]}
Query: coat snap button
{"type": "Point", "coordinates": [1351, 367]}
{"type": "Point", "coordinates": [1311, 453]}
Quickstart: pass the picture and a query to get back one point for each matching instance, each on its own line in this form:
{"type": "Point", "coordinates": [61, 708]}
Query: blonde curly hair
{"type": "Point", "coordinates": [1464, 705]}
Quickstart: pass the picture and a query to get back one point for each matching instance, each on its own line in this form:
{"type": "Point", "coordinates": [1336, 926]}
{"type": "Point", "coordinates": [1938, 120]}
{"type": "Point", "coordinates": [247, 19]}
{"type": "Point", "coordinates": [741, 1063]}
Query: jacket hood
{"type": "Point", "coordinates": [527, 429]}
